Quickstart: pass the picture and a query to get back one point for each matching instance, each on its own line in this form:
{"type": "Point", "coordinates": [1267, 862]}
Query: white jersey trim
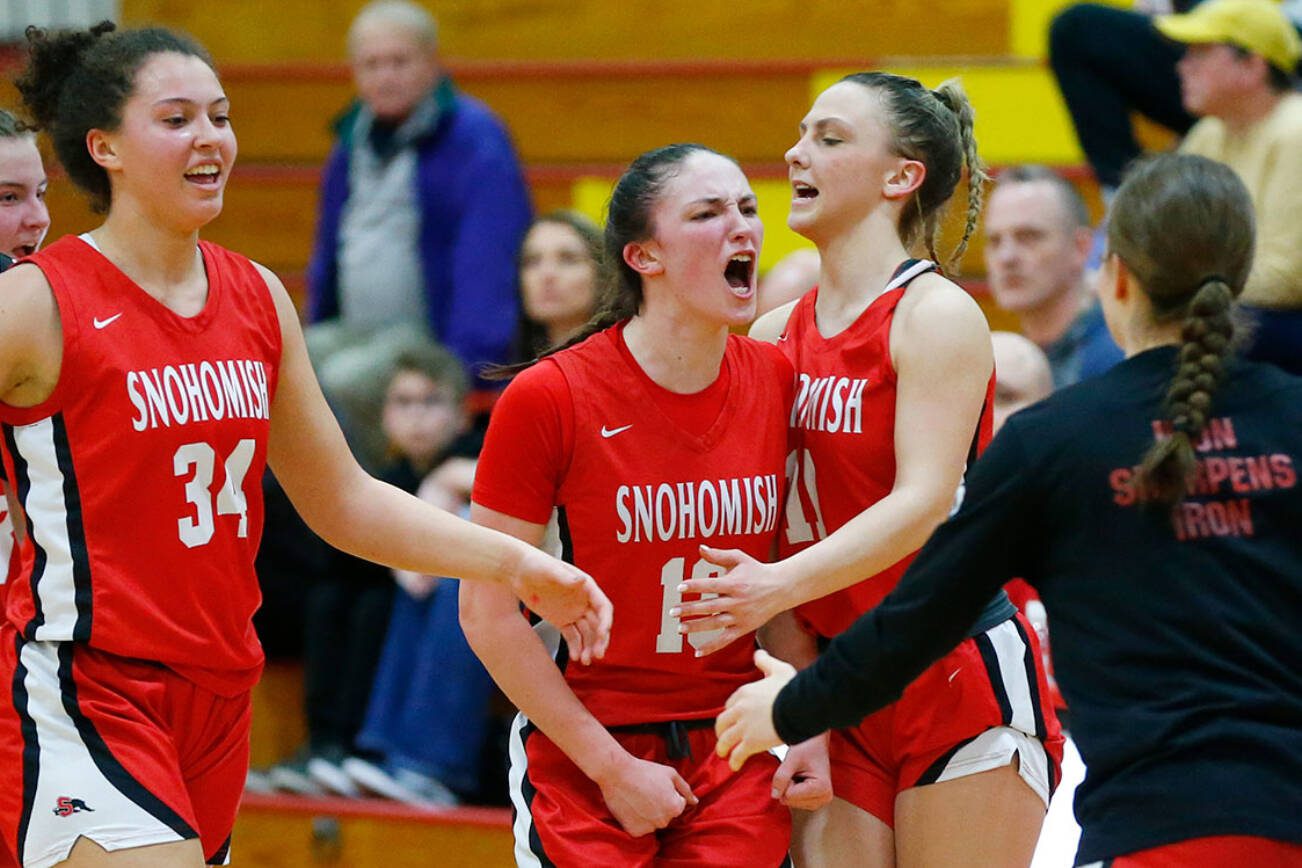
{"type": "Point", "coordinates": [47, 513]}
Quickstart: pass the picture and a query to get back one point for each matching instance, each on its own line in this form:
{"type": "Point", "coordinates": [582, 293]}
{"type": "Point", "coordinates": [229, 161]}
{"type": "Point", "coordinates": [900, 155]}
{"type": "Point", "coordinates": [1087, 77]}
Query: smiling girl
{"type": "Point", "coordinates": [146, 378]}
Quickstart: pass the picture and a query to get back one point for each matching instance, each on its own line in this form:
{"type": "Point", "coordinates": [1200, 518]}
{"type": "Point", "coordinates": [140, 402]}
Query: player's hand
{"type": "Point", "coordinates": [804, 780]}
{"type": "Point", "coordinates": [746, 725]}
{"type": "Point", "coordinates": [748, 595]}
{"type": "Point", "coordinates": [567, 597]}
{"type": "Point", "coordinates": [645, 796]}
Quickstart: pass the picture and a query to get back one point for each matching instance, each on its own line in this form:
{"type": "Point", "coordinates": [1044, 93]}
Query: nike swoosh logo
{"type": "Point", "coordinates": [782, 337]}
{"type": "Point", "coordinates": [611, 432]}
{"type": "Point", "coordinates": [104, 323]}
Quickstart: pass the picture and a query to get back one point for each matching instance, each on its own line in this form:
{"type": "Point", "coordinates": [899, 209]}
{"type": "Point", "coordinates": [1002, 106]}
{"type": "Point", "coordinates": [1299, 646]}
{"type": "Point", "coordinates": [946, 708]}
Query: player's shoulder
{"type": "Point", "coordinates": [544, 375]}
{"type": "Point", "coordinates": [764, 357]}
{"type": "Point", "coordinates": [770, 326]}
{"type": "Point", "coordinates": [934, 311]}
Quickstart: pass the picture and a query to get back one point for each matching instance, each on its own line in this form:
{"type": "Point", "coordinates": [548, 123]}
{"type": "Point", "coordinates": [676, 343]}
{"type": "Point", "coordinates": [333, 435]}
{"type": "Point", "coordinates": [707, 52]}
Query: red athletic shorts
{"type": "Point", "coordinates": [124, 752]}
{"type": "Point", "coordinates": [561, 818]}
{"type": "Point", "coordinates": [975, 709]}
{"type": "Point", "coordinates": [1217, 851]}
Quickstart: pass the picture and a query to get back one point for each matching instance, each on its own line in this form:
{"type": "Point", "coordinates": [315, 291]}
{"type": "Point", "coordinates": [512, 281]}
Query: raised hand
{"type": "Point", "coordinates": [746, 726]}
{"type": "Point", "coordinates": [748, 595]}
{"type": "Point", "coordinates": [645, 796]}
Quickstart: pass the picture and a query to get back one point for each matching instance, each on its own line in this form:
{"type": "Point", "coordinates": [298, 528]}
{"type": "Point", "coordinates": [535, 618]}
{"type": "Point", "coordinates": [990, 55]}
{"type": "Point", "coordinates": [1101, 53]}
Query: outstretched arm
{"type": "Point", "coordinates": [373, 520]}
{"type": "Point", "coordinates": [868, 666]}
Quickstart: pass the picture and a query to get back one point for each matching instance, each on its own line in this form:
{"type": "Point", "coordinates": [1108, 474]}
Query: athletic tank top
{"type": "Point", "coordinates": [843, 438]}
{"type": "Point", "coordinates": [140, 476]}
{"type": "Point", "coordinates": [640, 496]}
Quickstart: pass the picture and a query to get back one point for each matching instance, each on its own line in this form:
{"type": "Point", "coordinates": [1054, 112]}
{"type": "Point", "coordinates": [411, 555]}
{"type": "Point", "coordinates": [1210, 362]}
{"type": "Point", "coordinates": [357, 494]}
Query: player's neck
{"type": "Point", "coordinates": [856, 266]}
{"type": "Point", "coordinates": [164, 263]}
{"type": "Point", "coordinates": [678, 354]}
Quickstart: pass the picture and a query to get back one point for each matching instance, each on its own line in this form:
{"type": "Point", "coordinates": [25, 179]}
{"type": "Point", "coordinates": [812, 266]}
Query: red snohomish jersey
{"type": "Point", "coordinates": [637, 495]}
{"type": "Point", "coordinates": [141, 475]}
{"type": "Point", "coordinates": [843, 438]}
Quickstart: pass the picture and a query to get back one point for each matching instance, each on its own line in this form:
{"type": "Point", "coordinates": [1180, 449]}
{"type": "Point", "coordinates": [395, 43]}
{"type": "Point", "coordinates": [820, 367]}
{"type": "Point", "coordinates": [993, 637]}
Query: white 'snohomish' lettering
{"type": "Point", "coordinates": [697, 509]}
{"type": "Point", "coordinates": [832, 404]}
{"type": "Point", "coordinates": [198, 392]}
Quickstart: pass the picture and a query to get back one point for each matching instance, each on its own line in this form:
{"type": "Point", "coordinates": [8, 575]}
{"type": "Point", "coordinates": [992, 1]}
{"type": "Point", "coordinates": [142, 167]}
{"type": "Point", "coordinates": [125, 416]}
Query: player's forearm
{"type": "Point", "coordinates": [514, 655]}
{"type": "Point", "coordinates": [877, 538]}
{"type": "Point", "coordinates": [384, 524]}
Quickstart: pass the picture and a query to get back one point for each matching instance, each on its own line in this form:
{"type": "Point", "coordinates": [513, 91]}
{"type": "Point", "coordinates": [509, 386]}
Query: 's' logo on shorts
{"type": "Point", "coordinates": [66, 807]}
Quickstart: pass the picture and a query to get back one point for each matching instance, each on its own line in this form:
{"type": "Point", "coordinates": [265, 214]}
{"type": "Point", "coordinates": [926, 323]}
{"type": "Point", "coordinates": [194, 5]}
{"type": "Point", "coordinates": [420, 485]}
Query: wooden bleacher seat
{"type": "Point", "coordinates": [296, 832]}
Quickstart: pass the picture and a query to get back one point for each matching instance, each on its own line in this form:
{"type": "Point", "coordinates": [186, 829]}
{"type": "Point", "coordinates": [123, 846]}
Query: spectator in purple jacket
{"type": "Point", "coordinates": [423, 207]}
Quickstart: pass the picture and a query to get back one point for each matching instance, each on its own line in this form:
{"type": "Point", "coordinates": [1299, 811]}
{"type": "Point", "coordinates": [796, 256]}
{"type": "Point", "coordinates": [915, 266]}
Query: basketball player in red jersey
{"type": "Point", "coordinates": [145, 380]}
{"type": "Point", "coordinates": [24, 220]}
{"type": "Point", "coordinates": [894, 396]}
{"type": "Point", "coordinates": [652, 432]}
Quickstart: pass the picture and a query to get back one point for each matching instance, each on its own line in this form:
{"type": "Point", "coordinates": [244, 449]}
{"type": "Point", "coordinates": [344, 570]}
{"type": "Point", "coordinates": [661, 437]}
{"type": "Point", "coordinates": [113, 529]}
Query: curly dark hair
{"type": "Point", "coordinates": [78, 80]}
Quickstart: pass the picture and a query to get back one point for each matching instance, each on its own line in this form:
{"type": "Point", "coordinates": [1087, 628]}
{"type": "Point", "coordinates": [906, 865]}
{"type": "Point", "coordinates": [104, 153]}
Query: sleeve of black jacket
{"type": "Point", "coordinates": [938, 600]}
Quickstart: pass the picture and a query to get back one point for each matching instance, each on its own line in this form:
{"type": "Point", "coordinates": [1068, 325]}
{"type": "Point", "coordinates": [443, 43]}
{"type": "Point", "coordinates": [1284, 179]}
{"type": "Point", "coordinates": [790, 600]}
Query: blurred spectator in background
{"type": "Point", "coordinates": [423, 207]}
{"type": "Point", "coordinates": [1022, 375]}
{"type": "Point", "coordinates": [1037, 240]}
{"type": "Point", "coordinates": [560, 265]}
{"type": "Point", "coordinates": [347, 605]}
{"type": "Point", "coordinates": [1110, 63]}
{"type": "Point", "coordinates": [787, 280]}
{"type": "Point", "coordinates": [1237, 75]}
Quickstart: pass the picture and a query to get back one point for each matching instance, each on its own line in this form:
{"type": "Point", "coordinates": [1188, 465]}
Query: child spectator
{"type": "Point", "coordinates": [347, 610]}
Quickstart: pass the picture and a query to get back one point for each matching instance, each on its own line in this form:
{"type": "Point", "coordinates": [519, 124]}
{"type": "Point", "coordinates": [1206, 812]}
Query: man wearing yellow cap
{"type": "Point", "coordinates": [1237, 75]}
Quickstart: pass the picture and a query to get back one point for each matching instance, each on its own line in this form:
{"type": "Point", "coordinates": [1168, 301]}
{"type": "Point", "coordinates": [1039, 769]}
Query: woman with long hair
{"type": "Point", "coordinates": [1156, 510]}
{"type": "Point", "coordinates": [893, 402]}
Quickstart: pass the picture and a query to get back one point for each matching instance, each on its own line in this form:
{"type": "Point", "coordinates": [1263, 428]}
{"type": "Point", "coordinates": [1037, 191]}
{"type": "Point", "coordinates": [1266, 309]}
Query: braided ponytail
{"type": "Point", "coordinates": [1207, 336]}
{"type": "Point", "coordinates": [952, 95]}
{"type": "Point", "coordinates": [1183, 226]}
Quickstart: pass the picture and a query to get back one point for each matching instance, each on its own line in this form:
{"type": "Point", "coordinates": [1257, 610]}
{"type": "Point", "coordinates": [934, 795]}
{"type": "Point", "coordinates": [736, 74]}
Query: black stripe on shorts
{"type": "Point", "coordinates": [991, 658]}
{"type": "Point", "coordinates": [219, 858]}
{"type": "Point", "coordinates": [103, 758]}
{"type": "Point", "coordinates": [1032, 683]}
{"type": "Point", "coordinates": [31, 746]}
{"type": "Point", "coordinates": [936, 769]}
{"type": "Point", "coordinates": [528, 790]}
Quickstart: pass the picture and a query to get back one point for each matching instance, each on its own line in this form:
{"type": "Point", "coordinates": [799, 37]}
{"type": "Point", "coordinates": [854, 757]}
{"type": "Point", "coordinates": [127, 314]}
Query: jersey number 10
{"type": "Point", "coordinates": [670, 641]}
{"type": "Point", "coordinates": [229, 499]}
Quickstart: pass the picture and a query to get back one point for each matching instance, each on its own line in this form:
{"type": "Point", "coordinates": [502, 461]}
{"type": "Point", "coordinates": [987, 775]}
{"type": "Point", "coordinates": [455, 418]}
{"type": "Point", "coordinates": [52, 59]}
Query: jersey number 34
{"type": "Point", "coordinates": [200, 459]}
